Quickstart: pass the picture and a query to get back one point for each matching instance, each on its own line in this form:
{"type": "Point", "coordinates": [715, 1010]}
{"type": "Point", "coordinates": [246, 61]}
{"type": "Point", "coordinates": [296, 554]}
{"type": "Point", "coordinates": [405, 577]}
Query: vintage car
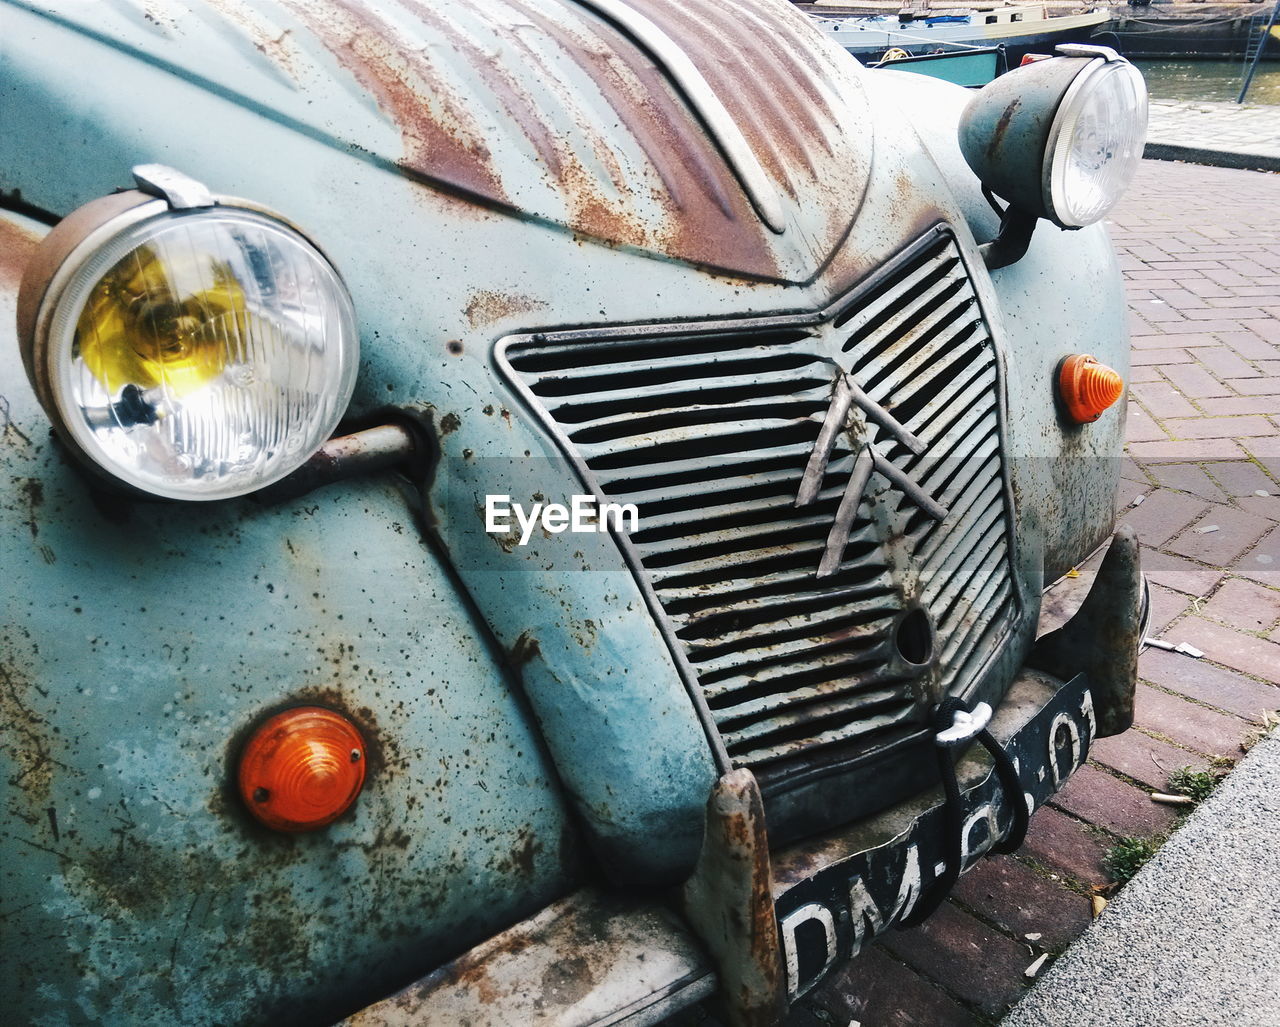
{"type": "Point", "coordinates": [535, 510]}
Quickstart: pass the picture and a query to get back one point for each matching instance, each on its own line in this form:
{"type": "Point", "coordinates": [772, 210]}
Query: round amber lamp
{"type": "Point", "coordinates": [302, 769]}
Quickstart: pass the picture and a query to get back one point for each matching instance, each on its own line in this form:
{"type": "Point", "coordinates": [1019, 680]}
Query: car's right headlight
{"type": "Point", "coordinates": [190, 347]}
{"type": "Point", "coordinates": [1059, 138]}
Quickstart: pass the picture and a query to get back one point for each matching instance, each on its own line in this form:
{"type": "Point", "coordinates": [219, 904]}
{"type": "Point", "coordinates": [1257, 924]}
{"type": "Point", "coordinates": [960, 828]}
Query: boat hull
{"type": "Point", "coordinates": [872, 37]}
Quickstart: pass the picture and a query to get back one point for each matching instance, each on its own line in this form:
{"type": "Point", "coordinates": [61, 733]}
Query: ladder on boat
{"type": "Point", "coordinates": [1255, 44]}
{"type": "Point", "coordinates": [1255, 34]}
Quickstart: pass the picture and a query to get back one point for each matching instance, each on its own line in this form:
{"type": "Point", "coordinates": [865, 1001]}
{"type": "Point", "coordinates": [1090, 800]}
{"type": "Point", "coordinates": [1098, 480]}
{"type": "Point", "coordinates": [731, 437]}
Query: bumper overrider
{"type": "Point", "coordinates": [758, 929]}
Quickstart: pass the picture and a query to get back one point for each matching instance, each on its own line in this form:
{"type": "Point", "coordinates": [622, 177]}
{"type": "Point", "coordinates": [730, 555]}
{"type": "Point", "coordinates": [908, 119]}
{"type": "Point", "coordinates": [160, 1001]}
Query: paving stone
{"type": "Point", "coordinates": [1246, 605]}
{"type": "Point", "coordinates": [1163, 514]}
{"type": "Point", "coordinates": [1191, 327]}
{"type": "Point", "coordinates": [876, 989]}
{"type": "Point", "coordinates": [1206, 731]}
{"type": "Point", "coordinates": [1138, 273]}
{"type": "Point", "coordinates": [1266, 450]}
{"type": "Point", "coordinates": [1242, 478]}
{"type": "Point", "coordinates": [1127, 491]}
{"type": "Point", "coordinates": [1232, 406]}
{"type": "Point", "coordinates": [1057, 841]}
{"type": "Point", "coordinates": [1145, 374]}
{"type": "Point", "coordinates": [1268, 329]}
{"type": "Point", "coordinates": [1255, 386]}
{"type": "Point", "coordinates": [1212, 315]}
{"type": "Point", "coordinates": [1139, 427]}
{"type": "Point", "coordinates": [1021, 901]}
{"type": "Point", "coordinates": [1186, 265]}
{"type": "Point", "coordinates": [1143, 758]}
{"type": "Point", "coordinates": [1157, 312]}
{"type": "Point", "coordinates": [1183, 575]}
{"type": "Point", "coordinates": [1236, 532]}
{"type": "Point", "coordinates": [1162, 400]}
{"type": "Point", "coordinates": [1202, 286]}
{"type": "Point", "coordinates": [1160, 357]}
{"type": "Point", "coordinates": [1166, 606]}
{"type": "Point", "coordinates": [1243, 297]}
{"type": "Point", "coordinates": [1181, 450]}
{"type": "Point", "coordinates": [1218, 427]}
{"type": "Point", "coordinates": [1262, 562]}
{"type": "Point", "coordinates": [966, 957]}
{"type": "Point", "coordinates": [1254, 290]}
{"type": "Point", "coordinates": [1150, 338]}
{"type": "Point", "coordinates": [1131, 470]}
{"type": "Point", "coordinates": [1188, 478]}
{"type": "Point", "coordinates": [1192, 380]}
{"type": "Point", "coordinates": [1179, 299]}
{"type": "Point", "coordinates": [1224, 276]}
{"type": "Point", "coordinates": [1261, 506]}
{"type": "Point", "coordinates": [1215, 686]}
{"type": "Point", "coordinates": [1096, 796]}
{"type": "Point", "coordinates": [1225, 363]}
{"type": "Point", "coordinates": [1232, 649]}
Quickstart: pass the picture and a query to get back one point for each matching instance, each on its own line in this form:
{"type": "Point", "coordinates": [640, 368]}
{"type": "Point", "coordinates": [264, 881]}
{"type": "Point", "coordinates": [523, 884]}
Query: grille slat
{"type": "Point", "coordinates": [862, 688]}
{"type": "Point", "coordinates": [709, 434]}
{"type": "Point", "coordinates": [857, 723]}
{"type": "Point", "coordinates": [830, 665]}
{"type": "Point", "coordinates": [901, 329]}
{"type": "Point", "coordinates": [752, 609]}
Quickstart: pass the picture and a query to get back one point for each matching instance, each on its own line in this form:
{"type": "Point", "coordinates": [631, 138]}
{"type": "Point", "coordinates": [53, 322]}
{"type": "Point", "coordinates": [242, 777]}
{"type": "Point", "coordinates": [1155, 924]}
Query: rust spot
{"type": "Point", "coordinates": [525, 649]}
{"type": "Point", "coordinates": [33, 492]}
{"type": "Point", "coordinates": [450, 423]}
{"type": "Point", "coordinates": [520, 860]}
{"type": "Point", "coordinates": [17, 244]}
{"type": "Point", "coordinates": [438, 130]}
{"type": "Point", "coordinates": [487, 307]}
{"type": "Point", "coordinates": [686, 202]}
{"type": "Point", "coordinates": [26, 735]}
{"type": "Point", "coordinates": [1002, 126]}
{"type": "Point", "coordinates": [570, 979]}
{"type": "Point", "coordinates": [454, 346]}
{"type": "Point", "coordinates": [267, 38]}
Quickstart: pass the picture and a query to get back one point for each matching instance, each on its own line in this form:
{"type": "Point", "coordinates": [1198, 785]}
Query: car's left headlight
{"type": "Point", "coordinates": [190, 347]}
{"type": "Point", "coordinates": [1059, 138]}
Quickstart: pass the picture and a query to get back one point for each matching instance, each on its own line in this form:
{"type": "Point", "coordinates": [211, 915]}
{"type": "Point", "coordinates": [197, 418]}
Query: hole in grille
{"type": "Point", "coordinates": [708, 432]}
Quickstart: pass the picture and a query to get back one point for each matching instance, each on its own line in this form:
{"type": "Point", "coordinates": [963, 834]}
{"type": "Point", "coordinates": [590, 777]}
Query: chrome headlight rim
{"type": "Point", "coordinates": [1057, 204]}
{"type": "Point", "coordinates": [1018, 134]}
{"type": "Point", "coordinates": [60, 280]}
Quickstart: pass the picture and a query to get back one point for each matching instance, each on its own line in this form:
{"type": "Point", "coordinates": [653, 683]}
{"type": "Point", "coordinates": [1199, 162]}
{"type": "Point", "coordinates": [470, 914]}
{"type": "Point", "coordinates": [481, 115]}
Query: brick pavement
{"type": "Point", "coordinates": [1200, 249]}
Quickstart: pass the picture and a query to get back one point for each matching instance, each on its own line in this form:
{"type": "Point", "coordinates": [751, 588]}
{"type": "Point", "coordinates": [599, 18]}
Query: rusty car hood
{"type": "Point", "coordinates": [563, 112]}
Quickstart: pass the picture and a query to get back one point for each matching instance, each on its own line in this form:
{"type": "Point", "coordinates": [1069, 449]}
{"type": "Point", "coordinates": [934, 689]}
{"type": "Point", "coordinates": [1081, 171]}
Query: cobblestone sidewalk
{"type": "Point", "coordinates": [1200, 249]}
{"type": "Point", "coordinates": [1250, 133]}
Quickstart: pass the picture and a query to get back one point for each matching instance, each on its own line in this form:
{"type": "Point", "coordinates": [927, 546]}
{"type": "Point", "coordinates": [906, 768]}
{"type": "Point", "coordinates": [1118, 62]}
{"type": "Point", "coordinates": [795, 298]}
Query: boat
{"type": "Point", "coordinates": [970, 68]}
{"type": "Point", "coordinates": [1019, 28]}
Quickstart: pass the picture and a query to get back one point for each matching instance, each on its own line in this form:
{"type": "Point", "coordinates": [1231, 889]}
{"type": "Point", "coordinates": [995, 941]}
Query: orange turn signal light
{"type": "Point", "coordinates": [302, 769]}
{"type": "Point", "coordinates": [1087, 387]}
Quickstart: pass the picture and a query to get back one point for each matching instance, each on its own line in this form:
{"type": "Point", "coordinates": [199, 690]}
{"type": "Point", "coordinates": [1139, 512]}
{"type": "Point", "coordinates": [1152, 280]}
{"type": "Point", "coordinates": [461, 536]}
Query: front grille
{"type": "Point", "coordinates": [708, 428]}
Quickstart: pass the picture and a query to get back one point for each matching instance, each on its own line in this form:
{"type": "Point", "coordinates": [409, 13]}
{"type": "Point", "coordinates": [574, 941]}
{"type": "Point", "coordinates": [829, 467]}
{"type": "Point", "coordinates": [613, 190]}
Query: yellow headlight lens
{"type": "Point", "coordinates": [151, 325]}
{"type": "Point", "coordinates": [197, 353]}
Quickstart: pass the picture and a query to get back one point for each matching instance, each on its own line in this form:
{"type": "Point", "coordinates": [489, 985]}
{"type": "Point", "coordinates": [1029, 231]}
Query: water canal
{"type": "Point", "coordinates": [1210, 80]}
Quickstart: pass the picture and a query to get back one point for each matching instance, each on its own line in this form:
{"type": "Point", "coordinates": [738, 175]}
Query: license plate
{"type": "Point", "coordinates": [828, 918]}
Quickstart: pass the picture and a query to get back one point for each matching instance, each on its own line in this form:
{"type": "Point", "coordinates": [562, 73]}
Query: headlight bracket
{"type": "Point", "coordinates": [180, 191]}
{"type": "Point", "coordinates": [1057, 139]}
